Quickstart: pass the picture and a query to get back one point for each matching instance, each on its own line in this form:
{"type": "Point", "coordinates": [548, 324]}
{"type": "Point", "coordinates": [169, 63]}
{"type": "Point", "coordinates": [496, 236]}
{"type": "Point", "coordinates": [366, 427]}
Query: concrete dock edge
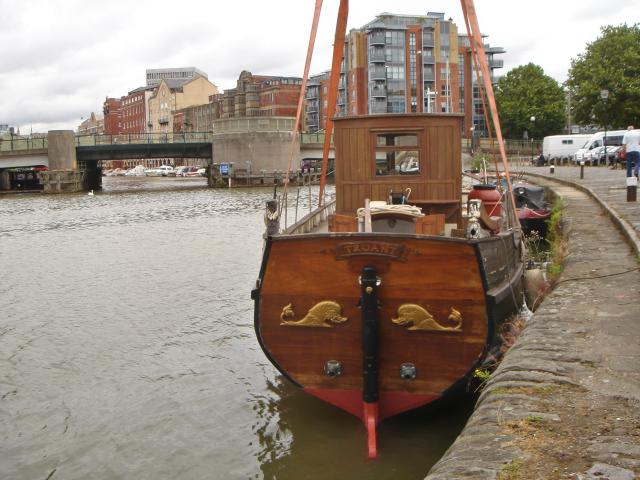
{"type": "Point", "coordinates": [565, 400]}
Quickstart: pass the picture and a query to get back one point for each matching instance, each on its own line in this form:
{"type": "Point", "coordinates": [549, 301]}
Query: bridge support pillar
{"type": "Point", "coordinates": [63, 175]}
{"type": "Point", "coordinates": [5, 180]}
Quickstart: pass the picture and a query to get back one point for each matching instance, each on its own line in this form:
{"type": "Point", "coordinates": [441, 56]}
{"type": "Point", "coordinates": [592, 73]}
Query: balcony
{"type": "Point", "coordinates": [428, 59]}
{"type": "Point", "coordinates": [342, 99]}
{"type": "Point", "coordinates": [428, 76]}
{"type": "Point", "coordinates": [377, 55]}
{"type": "Point", "coordinates": [376, 38]}
{"type": "Point", "coordinates": [163, 120]}
{"type": "Point", "coordinates": [378, 107]}
{"type": "Point", "coordinates": [496, 63]}
{"type": "Point", "coordinates": [378, 73]}
{"type": "Point", "coordinates": [312, 94]}
{"type": "Point", "coordinates": [428, 40]}
{"type": "Point", "coordinates": [378, 91]}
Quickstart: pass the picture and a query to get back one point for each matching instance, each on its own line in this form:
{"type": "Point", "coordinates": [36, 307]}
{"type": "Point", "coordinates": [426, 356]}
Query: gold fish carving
{"type": "Point", "coordinates": [415, 317]}
{"type": "Point", "coordinates": [322, 315]}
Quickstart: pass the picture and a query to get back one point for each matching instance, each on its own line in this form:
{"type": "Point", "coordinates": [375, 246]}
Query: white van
{"type": "Point", "coordinates": [614, 138]}
{"type": "Point", "coordinates": [561, 148]}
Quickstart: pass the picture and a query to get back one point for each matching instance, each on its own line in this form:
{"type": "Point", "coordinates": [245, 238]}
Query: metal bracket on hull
{"type": "Point", "coordinates": [370, 338]}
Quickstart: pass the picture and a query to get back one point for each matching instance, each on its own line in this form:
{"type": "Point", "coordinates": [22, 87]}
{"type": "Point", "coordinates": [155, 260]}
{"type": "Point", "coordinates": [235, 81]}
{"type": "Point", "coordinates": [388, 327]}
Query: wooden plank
{"type": "Point", "coordinates": [430, 224]}
{"type": "Point", "coordinates": [343, 223]}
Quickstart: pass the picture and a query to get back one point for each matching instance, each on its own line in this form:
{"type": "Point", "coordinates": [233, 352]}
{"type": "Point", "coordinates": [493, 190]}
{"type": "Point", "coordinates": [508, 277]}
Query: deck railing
{"type": "Point", "coordinates": [310, 221]}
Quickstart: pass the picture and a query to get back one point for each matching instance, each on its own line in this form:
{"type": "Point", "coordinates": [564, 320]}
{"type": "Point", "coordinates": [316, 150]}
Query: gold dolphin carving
{"type": "Point", "coordinates": [321, 315]}
{"type": "Point", "coordinates": [420, 319]}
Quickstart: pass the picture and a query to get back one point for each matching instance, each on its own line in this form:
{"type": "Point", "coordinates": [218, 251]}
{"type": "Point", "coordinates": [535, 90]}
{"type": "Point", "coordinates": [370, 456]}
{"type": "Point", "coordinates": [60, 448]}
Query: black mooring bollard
{"type": "Point", "coordinates": [552, 168]}
{"type": "Point", "coordinates": [632, 188]}
{"type": "Point", "coordinates": [581, 168]}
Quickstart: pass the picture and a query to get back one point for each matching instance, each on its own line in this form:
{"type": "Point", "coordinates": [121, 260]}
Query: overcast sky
{"type": "Point", "coordinates": [59, 60]}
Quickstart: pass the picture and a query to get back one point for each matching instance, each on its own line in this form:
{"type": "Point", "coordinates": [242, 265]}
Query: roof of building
{"type": "Point", "coordinates": [140, 89]}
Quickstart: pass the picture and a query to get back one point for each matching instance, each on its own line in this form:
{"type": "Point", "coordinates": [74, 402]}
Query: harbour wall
{"type": "Point", "coordinates": [565, 400]}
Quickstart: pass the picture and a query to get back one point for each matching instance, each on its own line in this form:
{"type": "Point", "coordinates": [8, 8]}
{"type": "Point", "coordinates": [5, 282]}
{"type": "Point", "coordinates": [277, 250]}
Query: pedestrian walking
{"type": "Point", "coordinates": [631, 147]}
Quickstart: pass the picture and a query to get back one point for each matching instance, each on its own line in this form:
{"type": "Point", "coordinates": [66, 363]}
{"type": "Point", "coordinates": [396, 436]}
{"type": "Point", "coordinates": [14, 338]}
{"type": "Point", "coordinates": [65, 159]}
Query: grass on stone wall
{"type": "Point", "coordinates": [557, 240]}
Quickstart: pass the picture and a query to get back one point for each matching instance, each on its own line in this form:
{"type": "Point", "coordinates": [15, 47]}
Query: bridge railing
{"type": "Point", "coordinates": [141, 138]}
{"type": "Point", "coordinates": [15, 142]}
{"type": "Point", "coordinates": [313, 138]}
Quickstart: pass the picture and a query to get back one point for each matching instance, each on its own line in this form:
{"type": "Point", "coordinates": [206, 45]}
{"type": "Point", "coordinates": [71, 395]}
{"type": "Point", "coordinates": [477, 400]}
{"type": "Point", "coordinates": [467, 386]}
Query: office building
{"type": "Point", "coordinates": [156, 75]}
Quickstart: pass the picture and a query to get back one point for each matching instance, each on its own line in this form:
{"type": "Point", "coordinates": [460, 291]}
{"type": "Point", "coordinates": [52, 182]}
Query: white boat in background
{"type": "Point", "coordinates": [161, 171]}
{"type": "Point", "coordinates": [137, 171]}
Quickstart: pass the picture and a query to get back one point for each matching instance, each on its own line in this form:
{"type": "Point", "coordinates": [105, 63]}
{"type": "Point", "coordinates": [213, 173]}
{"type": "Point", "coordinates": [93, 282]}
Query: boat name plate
{"type": "Point", "coordinates": [382, 249]}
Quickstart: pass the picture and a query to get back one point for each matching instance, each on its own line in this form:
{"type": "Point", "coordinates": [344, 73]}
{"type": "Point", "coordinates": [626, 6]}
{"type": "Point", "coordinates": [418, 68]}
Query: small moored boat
{"type": "Point", "coordinates": [533, 209]}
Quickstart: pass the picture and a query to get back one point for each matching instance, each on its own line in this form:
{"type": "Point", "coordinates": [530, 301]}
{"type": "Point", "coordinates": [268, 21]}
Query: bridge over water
{"type": "Point", "coordinates": [251, 146]}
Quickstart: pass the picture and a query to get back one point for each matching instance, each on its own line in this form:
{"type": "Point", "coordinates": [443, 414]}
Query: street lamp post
{"type": "Point", "coordinates": [533, 119]}
{"type": "Point", "coordinates": [472, 129]}
{"type": "Point", "coordinates": [604, 94]}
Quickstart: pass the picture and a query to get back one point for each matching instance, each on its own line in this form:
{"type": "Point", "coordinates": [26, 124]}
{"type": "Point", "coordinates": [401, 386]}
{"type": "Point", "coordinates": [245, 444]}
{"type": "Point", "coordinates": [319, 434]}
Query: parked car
{"type": "Point", "coordinates": [161, 171]}
{"type": "Point", "coordinates": [181, 171]}
{"type": "Point", "coordinates": [612, 154]}
{"type": "Point", "coordinates": [614, 138]}
{"type": "Point", "coordinates": [590, 157]}
{"type": "Point", "coordinates": [202, 172]}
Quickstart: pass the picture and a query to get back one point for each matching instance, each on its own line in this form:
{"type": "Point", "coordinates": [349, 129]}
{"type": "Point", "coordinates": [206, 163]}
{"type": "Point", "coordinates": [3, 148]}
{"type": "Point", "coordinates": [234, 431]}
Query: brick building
{"type": "Point", "coordinates": [111, 111]}
{"type": "Point", "coordinates": [259, 96]}
{"type": "Point", "coordinates": [133, 111]}
{"type": "Point", "coordinates": [174, 95]}
{"type": "Point", "coordinates": [93, 125]}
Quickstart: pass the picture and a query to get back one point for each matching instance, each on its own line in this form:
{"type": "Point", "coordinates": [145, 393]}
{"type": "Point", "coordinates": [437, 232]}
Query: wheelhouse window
{"type": "Point", "coordinates": [397, 154]}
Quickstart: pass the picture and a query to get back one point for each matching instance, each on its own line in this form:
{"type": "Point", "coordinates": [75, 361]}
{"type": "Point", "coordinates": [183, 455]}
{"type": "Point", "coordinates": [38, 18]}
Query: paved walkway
{"type": "Point", "coordinates": [608, 185]}
{"type": "Point", "coordinates": [565, 401]}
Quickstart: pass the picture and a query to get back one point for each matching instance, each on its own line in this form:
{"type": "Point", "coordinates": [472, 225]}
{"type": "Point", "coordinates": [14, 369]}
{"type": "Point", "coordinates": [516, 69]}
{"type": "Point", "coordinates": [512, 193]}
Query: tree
{"type": "Point", "coordinates": [612, 63]}
{"type": "Point", "coordinates": [527, 92]}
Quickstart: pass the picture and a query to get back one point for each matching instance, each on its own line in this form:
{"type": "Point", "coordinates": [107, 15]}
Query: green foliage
{"type": "Point", "coordinates": [557, 241]}
{"type": "Point", "coordinates": [611, 62]}
{"type": "Point", "coordinates": [527, 92]}
{"type": "Point", "coordinates": [479, 162]}
{"type": "Point", "coordinates": [483, 376]}
{"type": "Point", "coordinates": [536, 250]}
{"type": "Point", "coordinates": [511, 471]}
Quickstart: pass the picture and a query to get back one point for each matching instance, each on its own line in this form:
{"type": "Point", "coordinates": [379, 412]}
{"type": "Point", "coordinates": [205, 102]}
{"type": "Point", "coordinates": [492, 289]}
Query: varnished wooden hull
{"type": "Point", "coordinates": [467, 288]}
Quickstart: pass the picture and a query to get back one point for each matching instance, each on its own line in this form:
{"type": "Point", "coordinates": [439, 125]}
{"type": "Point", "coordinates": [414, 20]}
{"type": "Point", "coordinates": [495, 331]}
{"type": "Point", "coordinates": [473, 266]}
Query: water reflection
{"type": "Point", "coordinates": [314, 440]}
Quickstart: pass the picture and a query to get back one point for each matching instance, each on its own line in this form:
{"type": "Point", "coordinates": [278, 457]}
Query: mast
{"type": "Point", "coordinates": [303, 87]}
{"type": "Point", "coordinates": [473, 30]}
{"type": "Point", "coordinates": [338, 48]}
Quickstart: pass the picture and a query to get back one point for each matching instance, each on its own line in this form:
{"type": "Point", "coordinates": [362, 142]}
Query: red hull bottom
{"type": "Point", "coordinates": [388, 405]}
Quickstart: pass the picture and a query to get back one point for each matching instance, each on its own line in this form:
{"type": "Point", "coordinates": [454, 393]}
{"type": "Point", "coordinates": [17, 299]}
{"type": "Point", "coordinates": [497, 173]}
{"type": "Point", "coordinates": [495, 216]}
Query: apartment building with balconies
{"type": "Point", "coordinates": [407, 63]}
